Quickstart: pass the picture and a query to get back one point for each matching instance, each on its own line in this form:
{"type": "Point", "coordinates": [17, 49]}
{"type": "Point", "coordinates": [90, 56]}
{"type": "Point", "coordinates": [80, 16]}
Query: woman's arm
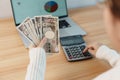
{"type": "Point", "coordinates": [37, 65]}
{"type": "Point", "coordinates": [108, 54]}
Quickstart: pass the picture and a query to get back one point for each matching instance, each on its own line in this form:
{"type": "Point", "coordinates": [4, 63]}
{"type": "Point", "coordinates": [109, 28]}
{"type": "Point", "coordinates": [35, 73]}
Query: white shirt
{"type": "Point", "coordinates": [114, 60]}
{"type": "Point", "coordinates": [37, 65]}
{"type": "Point", "coordinates": [36, 68]}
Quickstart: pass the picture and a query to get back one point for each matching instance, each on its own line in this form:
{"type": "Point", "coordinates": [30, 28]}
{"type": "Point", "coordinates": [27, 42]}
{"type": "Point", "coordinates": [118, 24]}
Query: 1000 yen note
{"type": "Point", "coordinates": [50, 24]}
{"type": "Point", "coordinates": [23, 30]}
{"type": "Point", "coordinates": [35, 27]}
{"type": "Point", "coordinates": [31, 25]}
{"type": "Point", "coordinates": [34, 38]}
{"type": "Point", "coordinates": [39, 26]}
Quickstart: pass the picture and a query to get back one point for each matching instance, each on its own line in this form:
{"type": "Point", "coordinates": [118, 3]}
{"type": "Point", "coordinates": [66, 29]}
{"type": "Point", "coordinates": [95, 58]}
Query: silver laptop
{"type": "Point", "coordinates": [24, 8]}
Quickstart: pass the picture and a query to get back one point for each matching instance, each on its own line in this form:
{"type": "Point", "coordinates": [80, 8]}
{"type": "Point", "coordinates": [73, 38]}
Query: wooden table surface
{"type": "Point", "coordinates": [14, 56]}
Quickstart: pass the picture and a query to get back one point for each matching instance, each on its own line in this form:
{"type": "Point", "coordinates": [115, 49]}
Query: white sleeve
{"type": "Point", "coordinates": [37, 65]}
{"type": "Point", "coordinates": [109, 55]}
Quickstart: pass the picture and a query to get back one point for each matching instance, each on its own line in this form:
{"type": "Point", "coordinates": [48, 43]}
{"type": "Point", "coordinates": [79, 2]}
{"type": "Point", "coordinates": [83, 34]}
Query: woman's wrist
{"type": "Point", "coordinates": [102, 51]}
{"type": "Point", "coordinates": [34, 53]}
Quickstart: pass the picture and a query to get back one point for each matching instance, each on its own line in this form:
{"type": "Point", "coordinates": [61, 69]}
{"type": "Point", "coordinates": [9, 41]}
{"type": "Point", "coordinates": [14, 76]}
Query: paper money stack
{"type": "Point", "coordinates": [35, 29]}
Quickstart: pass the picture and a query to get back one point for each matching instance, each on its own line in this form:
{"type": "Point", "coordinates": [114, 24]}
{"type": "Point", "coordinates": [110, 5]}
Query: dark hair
{"type": "Point", "coordinates": [115, 7]}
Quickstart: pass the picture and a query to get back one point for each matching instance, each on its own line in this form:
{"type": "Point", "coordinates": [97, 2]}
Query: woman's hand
{"type": "Point", "coordinates": [42, 43]}
{"type": "Point", "coordinates": [92, 48]}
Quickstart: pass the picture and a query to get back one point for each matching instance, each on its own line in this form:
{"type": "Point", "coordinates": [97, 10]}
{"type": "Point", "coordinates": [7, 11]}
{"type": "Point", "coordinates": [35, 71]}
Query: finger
{"type": "Point", "coordinates": [90, 50]}
{"type": "Point", "coordinates": [86, 49]}
{"type": "Point", "coordinates": [43, 42]}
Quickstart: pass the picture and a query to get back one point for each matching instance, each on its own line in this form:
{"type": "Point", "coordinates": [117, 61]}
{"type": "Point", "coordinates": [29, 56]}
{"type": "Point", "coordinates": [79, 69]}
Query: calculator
{"type": "Point", "coordinates": [73, 47]}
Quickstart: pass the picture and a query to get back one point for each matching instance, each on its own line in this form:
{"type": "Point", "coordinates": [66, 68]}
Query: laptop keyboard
{"type": "Point", "coordinates": [64, 24]}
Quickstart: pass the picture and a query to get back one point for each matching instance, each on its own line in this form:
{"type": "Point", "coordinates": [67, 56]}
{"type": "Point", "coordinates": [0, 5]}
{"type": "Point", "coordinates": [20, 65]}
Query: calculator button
{"type": "Point", "coordinates": [72, 53]}
{"type": "Point", "coordinates": [75, 49]}
{"type": "Point", "coordinates": [70, 57]}
{"type": "Point", "coordinates": [80, 52]}
{"type": "Point", "coordinates": [75, 56]}
{"type": "Point", "coordinates": [86, 54]}
{"type": "Point", "coordinates": [81, 55]}
{"type": "Point", "coordinates": [68, 53]}
{"type": "Point", "coordinates": [82, 47]}
{"type": "Point", "coordinates": [66, 49]}
{"type": "Point", "coordinates": [78, 48]}
{"type": "Point", "coordinates": [76, 53]}
{"type": "Point", "coordinates": [78, 56]}
{"type": "Point", "coordinates": [89, 54]}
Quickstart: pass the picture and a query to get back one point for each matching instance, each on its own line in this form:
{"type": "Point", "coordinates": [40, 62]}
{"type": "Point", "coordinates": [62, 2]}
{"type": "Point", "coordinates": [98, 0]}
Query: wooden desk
{"type": "Point", "coordinates": [14, 57]}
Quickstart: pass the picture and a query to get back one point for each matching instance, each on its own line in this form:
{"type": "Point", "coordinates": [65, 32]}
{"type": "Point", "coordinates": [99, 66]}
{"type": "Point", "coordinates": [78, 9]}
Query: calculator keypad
{"type": "Point", "coordinates": [76, 53]}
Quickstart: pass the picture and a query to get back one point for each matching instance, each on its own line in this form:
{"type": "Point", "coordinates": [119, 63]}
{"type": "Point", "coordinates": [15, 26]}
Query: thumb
{"type": "Point", "coordinates": [43, 42]}
{"type": "Point", "coordinates": [31, 46]}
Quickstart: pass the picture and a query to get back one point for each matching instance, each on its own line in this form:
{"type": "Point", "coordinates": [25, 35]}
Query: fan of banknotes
{"type": "Point", "coordinates": [35, 29]}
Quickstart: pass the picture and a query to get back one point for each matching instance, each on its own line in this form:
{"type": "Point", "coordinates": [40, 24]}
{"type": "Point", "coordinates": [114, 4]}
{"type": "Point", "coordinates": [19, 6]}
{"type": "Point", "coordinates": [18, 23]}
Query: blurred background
{"type": "Point", "coordinates": [5, 6]}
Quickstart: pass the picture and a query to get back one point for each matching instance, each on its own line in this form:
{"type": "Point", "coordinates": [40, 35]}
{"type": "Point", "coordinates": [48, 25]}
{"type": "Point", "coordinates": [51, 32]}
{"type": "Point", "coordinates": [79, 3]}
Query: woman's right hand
{"type": "Point", "coordinates": [92, 48]}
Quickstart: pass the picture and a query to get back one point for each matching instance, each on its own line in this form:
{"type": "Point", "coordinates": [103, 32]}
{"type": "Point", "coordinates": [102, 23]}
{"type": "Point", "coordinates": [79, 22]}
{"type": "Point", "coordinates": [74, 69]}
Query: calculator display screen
{"type": "Point", "coordinates": [71, 40]}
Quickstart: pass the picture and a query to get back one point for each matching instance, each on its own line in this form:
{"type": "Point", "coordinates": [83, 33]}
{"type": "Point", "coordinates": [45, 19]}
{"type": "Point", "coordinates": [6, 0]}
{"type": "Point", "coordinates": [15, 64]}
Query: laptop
{"type": "Point", "coordinates": [24, 8]}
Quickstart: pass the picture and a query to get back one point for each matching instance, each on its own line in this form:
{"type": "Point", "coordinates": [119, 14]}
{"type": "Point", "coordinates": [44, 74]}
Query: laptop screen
{"type": "Point", "coordinates": [30, 8]}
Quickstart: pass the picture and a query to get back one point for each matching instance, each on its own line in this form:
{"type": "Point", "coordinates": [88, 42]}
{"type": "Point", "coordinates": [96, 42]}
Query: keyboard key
{"type": "Point", "coordinates": [63, 24]}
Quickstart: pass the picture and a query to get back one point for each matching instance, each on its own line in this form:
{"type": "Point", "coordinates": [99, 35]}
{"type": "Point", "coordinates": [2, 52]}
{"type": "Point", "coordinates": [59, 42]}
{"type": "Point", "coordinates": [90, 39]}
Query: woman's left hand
{"type": "Point", "coordinates": [42, 43]}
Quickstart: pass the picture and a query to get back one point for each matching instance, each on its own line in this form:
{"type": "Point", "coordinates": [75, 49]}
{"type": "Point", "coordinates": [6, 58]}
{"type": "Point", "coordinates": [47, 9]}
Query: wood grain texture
{"type": "Point", "coordinates": [14, 56]}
